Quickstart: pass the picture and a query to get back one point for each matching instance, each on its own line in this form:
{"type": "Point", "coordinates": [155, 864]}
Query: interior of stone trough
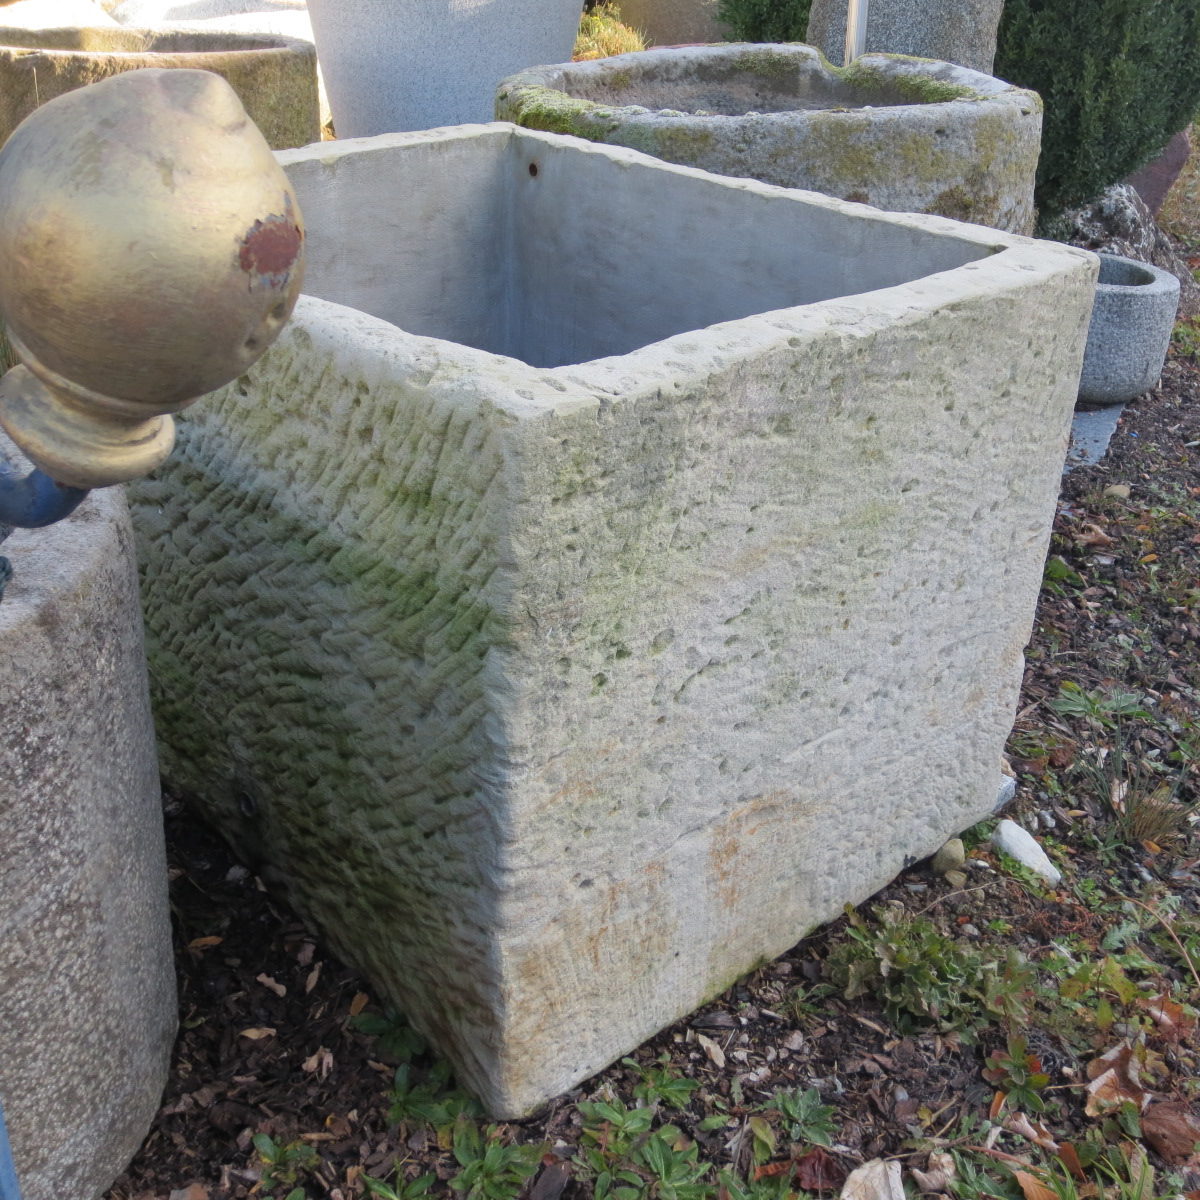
{"type": "Point", "coordinates": [517, 246]}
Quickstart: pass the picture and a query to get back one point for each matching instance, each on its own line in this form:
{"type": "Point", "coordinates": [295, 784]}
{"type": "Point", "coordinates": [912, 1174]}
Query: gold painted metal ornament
{"type": "Point", "coordinates": [151, 249]}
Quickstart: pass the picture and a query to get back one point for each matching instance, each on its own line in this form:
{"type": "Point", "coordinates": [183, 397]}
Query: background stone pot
{"type": "Point", "coordinates": [275, 77]}
{"type": "Point", "coordinates": [1129, 332]}
{"type": "Point", "coordinates": [87, 981]}
{"type": "Point", "coordinates": [671, 22]}
{"type": "Point", "coordinates": [957, 31]}
{"type": "Point", "coordinates": [392, 65]}
{"type": "Point", "coordinates": [901, 134]}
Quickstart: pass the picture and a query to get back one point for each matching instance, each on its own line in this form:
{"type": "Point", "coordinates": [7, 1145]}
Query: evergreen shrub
{"type": "Point", "coordinates": [1118, 79]}
{"type": "Point", "coordinates": [765, 20]}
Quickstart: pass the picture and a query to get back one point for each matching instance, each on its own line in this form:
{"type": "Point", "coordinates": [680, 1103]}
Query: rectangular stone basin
{"type": "Point", "coordinates": [613, 570]}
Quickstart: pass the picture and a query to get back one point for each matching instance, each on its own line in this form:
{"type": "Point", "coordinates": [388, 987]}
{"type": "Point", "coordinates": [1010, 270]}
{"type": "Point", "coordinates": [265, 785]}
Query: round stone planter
{"type": "Point", "coordinates": [903, 134]}
{"type": "Point", "coordinates": [87, 1004]}
{"type": "Point", "coordinates": [394, 65]}
{"type": "Point", "coordinates": [957, 31]}
{"type": "Point", "coordinates": [1129, 332]}
{"type": "Point", "coordinates": [275, 77]}
{"type": "Point", "coordinates": [671, 22]}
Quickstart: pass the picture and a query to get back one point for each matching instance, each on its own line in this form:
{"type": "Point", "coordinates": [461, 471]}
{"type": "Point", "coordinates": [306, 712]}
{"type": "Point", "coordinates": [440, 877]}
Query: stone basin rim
{"type": "Point", "coordinates": [190, 44]}
{"type": "Point", "coordinates": [1006, 259]}
{"type": "Point", "coordinates": [894, 72]}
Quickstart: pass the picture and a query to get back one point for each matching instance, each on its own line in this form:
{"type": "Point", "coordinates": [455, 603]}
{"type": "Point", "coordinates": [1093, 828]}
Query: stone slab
{"type": "Point", "coordinates": [637, 573]}
{"type": "Point", "coordinates": [87, 1006]}
{"type": "Point", "coordinates": [1091, 432]}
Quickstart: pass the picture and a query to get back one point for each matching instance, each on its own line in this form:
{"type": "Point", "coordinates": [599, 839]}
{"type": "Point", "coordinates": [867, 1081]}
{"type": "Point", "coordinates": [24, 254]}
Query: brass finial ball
{"type": "Point", "coordinates": [151, 249]}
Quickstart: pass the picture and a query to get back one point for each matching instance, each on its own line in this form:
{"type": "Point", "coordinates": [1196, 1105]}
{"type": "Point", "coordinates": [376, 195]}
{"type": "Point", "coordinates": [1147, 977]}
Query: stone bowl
{"type": "Point", "coordinates": [1129, 332]}
{"type": "Point", "coordinates": [903, 134]}
{"type": "Point", "coordinates": [275, 77]}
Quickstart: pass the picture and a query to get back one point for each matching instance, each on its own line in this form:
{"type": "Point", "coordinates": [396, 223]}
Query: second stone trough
{"type": "Point", "coordinates": [612, 571]}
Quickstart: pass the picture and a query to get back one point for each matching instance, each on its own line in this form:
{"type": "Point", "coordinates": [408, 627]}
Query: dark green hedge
{"type": "Point", "coordinates": [765, 20]}
{"type": "Point", "coordinates": [1118, 78]}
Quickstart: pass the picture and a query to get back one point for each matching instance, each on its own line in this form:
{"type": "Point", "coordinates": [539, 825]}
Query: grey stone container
{"type": "Point", "coordinates": [275, 77]}
{"type": "Point", "coordinates": [957, 31]}
{"type": "Point", "coordinates": [902, 134]}
{"type": "Point", "coordinates": [1129, 332]}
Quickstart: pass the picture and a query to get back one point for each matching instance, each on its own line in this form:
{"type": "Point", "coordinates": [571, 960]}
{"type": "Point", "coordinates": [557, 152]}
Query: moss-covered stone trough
{"type": "Point", "coordinates": [612, 571]}
{"type": "Point", "coordinates": [903, 134]}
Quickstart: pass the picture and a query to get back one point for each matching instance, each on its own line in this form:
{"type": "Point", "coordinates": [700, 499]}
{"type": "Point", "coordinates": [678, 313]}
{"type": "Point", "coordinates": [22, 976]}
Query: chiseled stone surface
{"type": "Point", "coordinates": [87, 1002]}
{"type": "Point", "coordinates": [674, 22]}
{"type": "Point", "coordinates": [275, 77]}
{"type": "Point", "coordinates": [957, 31]}
{"type": "Point", "coordinates": [561, 695]}
{"type": "Point", "coordinates": [393, 65]}
{"type": "Point", "coordinates": [900, 134]}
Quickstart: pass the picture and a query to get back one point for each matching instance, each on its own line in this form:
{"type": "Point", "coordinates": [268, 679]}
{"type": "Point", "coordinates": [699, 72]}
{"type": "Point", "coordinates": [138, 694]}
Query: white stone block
{"type": "Point", "coordinates": [619, 569]}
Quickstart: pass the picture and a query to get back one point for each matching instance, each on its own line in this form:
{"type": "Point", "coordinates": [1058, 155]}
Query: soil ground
{"type": "Point", "coordinates": [869, 1040]}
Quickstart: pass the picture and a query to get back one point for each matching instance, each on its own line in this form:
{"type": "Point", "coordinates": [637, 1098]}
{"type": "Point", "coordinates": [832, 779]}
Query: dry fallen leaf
{"type": "Point", "coordinates": [271, 985]}
{"type": "Point", "coordinates": [818, 1171]}
{"type": "Point", "coordinates": [1019, 1123]}
{"type": "Point", "coordinates": [203, 943]}
{"type": "Point", "coordinates": [1172, 1129]}
{"type": "Point", "coordinates": [1114, 1081]}
{"type": "Point", "coordinates": [311, 981]}
{"type": "Point", "coordinates": [320, 1061]}
{"type": "Point", "coordinates": [714, 1052]}
{"type": "Point", "coordinates": [194, 1191]}
{"type": "Point", "coordinates": [258, 1033]}
{"type": "Point", "coordinates": [360, 1001]}
{"type": "Point", "coordinates": [1032, 1187]}
{"type": "Point", "coordinates": [1172, 1021]}
{"type": "Point", "coordinates": [875, 1180]}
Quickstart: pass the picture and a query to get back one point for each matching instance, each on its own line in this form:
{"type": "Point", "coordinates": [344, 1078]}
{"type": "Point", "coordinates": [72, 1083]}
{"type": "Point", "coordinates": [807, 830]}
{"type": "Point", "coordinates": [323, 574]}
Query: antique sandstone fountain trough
{"type": "Point", "coordinates": [612, 571]}
{"type": "Point", "coordinates": [905, 134]}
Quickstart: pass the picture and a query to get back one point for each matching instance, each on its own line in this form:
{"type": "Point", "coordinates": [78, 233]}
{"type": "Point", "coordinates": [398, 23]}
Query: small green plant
{"type": "Point", "coordinates": [922, 977]}
{"type": "Point", "coordinates": [1018, 1074]}
{"type": "Point", "coordinates": [284, 1164]}
{"type": "Point", "coordinates": [410, 1189]}
{"type": "Point", "coordinates": [1058, 576]}
{"type": "Point", "coordinates": [1101, 710]}
{"type": "Point", "coordinates": [765, 20]}
{"type": "Point", "coordinates": [660, 1085]}
{"type": "Point", "coordinates": [808, 1120]}
{"type": "Point", "coordinates": [491, 1169]}
{"type": "Point", "coordinates": [394, 1037]}
{"type": "Point", "coordinates": [434, 1101]}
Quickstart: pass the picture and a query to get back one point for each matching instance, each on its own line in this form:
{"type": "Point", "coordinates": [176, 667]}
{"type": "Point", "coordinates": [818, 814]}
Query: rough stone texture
{"type": "Point", "coordinates": [1120, 223]}
{"type": "Point", "coordinates": [87, 1006]}
{"type": "Point", "coordinates": [672, 22]}
{"type": "Point", "coordinates": [1129, 332]}
{"type": "Point", "coordinates": [560, 695]}
{"type": "Point", "coordinates": [393, 65]}
{"type": "Point", "coordinates": [957, 31]}
{"type": "Point", "coordinates": [902, 135]}
{"type": "Point", "coordinates": [275, 77]}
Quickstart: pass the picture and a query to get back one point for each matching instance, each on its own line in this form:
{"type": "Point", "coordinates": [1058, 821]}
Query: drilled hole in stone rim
{"type": "Point", "coordinates": [533, 170]}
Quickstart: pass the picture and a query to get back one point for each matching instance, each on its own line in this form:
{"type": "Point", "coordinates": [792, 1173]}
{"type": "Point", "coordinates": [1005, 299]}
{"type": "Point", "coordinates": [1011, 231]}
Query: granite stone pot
{"type": "Point", "coordinates": [1129, 332]}
{"type": "Point", "coordinates": [392, 65]}
{"type": "Point", "coordinates": [275, 77]}
{"type": "Point", "coordinates": [902, 134]}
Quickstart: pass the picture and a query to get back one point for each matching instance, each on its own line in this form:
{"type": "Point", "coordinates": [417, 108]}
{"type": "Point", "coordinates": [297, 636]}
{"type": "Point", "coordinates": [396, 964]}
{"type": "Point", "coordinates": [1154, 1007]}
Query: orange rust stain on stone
{"type": "Point", "coordinates": [735, 842]}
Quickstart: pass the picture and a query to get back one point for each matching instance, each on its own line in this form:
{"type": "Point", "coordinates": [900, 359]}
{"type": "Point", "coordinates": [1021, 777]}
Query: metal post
{"type": "Point", "coordinates": [856, 30]}
{"type": "Point", "coordinates": [8, 1174]}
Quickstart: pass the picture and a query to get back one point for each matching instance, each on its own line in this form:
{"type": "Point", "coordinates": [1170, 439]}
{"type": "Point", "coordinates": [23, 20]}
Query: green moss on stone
{"type": "Point", "coordinates": [914, 87]}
